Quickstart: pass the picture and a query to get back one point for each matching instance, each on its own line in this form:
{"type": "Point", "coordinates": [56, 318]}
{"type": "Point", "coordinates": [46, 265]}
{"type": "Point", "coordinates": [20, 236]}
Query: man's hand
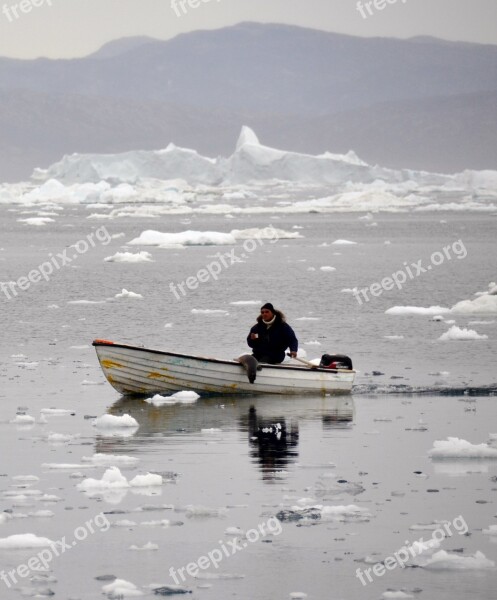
{"type": "Point", "coordinates": [293, 354]}
{"type": "Point", "coordinates": [254, 336]}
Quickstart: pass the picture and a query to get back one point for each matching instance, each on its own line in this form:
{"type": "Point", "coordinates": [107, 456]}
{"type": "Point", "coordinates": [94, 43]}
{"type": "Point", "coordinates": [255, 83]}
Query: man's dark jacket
{"type": "Point", "coordinates": [272, 342]}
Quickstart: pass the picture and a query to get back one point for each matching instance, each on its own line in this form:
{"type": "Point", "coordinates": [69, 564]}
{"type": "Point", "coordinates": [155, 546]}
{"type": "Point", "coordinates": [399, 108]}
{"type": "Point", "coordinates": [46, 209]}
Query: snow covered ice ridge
{"type": "Point", "coordinates": [170, 181]}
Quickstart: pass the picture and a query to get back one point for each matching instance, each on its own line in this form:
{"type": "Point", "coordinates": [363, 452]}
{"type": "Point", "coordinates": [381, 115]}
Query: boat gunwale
{"type": "Point", "coordinates": [104, 343]}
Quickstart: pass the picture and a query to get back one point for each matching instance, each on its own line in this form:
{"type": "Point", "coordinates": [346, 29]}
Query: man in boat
{"type": "Point", "coordinates": [271, 336]}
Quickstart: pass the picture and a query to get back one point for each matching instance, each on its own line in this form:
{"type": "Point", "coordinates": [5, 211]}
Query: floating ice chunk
{"type": "Point", "coordinates": [161, 523]}
{"type": "Point", "coordinates": [437, 318]}
{"type": "Point", "coordinates": [481, 322]}
{"type": "Point", "coordinates": [24, 541]}
{"type": "Point", "coordinates": [246, 302]}
{"type": "Point", "coordinates": [393, 337]}
{"type": "Point", "coordinates": [150, 479]}
{"type": "Point", "coordinates": [344, 513]}
{"type": "Point", "coordinates": [234, 531]}
{"type": "Point", "coordinates": [56, 411]}
{"type": "Point", "coordinates": [146, 547]}
{"type": "Point", "coordinates": [59, 438]}
{"type": "Point", "coordinates": [113, 422]}
{"type": "Point", "coordinates": [207, 575]}
{"type": "Point", "coordinates": [416, 310]}
{"type": "Point", "coordinates": [183, 397]}
{"type": "Point", "coordinates": [124, 523]}
{"type": "Point", "coordinates": [112, 478]}
{"type": "Point", "coordinates": [445, 561]}
{"type": "Point", "coordinates": [42, 514]}
{"type": "Point", "coordinates": [84, 302]}
{"type": "Point", "coordinates": [129, 257]}
{"type": "Point", "coordinates": [120, 588]}
{"type": "Point", "coordinates": [327, 268]}
{"type": "Point", "coordinates": [312, 343]}
{"type": "Point", "coordinates": [325, 513]}
{"type": "Point", "coordinates": [26, 478]}
{"type": "Point", "coordinates": [127, 294]}
{"type": "Point", "coordinates": [268, 233]}
{"type": "Point", "coordinates": [184, 238]}
{"type": "Point", "coordinates": [298, 595]}
{"type": "Point", "coordinates": [207, 311]}
{"type": "Point", "coordinates": [210, 430]}
{"type": "Point", "coordinates": [486, 304]}
{"type": "Point", "coordinates": [458, 333]}
{"type": "Point", "coordinates": [203, 511]}
{"type": "Point", "coordinates": [37, 221]}
{"type": "Point", "coordinates": [458, 448]}
{"type": "Point", "coordinates": [492, 530]}
{"type": "Point", "coordinates": [343, 243]}
{"type": "Point", "coordinates": [23, 420]}
{"type": "Point", "coordinates": [109, 460]}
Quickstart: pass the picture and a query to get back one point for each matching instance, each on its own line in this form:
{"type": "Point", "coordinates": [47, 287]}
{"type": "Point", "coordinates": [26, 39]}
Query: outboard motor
{"type": "Point", "coordinates": [335, 361]}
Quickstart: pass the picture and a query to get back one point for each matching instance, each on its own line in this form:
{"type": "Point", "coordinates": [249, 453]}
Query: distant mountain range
{"type": "Point", "coordinates": [420, 103]}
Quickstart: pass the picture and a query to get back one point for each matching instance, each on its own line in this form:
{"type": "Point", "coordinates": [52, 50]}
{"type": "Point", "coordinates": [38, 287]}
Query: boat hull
{"type": "Point", "coordinates": [134, 370]}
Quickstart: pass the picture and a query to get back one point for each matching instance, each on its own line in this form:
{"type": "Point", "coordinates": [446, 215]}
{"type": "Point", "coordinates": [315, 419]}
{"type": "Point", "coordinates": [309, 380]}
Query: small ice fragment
{"type": "Point", "coordinates": [120, 588]}
{"type": "Point", "coordinates": [24, 540]}
{"type": "Point", "coordinates": [112, 421]}
{"type": "Point", "coordinates": [128, 294]}
{"type": "Point", "coordinates": [145, 547]}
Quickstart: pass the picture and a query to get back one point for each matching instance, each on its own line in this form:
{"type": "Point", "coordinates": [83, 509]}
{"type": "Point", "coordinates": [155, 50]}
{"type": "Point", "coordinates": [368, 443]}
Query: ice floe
{"type": "Point", "coordinates": [130, 257]}
{"type": "Point", "coordinates": [120, 588]}
{"type": "Point", "coordinates": [24, 541]}
{"type": "Point", "coordinates": [183, 397]}
{"type": "Point", "coordinates": [149, 546]}
{"type": "Point", "coordinates": [109, 460]}
{"type": "Point", "coordinates": [456, 448]}
{"type": "Point", "coordinates": [114, 422]}
{"type": "Point", "coordinates": [416, 310]}
{"type": "Point", "coordinates": [127, 294]}
{"type": "Point", "coordinates": [448, 561]}
{"type": "Point", "coordinates": [462, 334]}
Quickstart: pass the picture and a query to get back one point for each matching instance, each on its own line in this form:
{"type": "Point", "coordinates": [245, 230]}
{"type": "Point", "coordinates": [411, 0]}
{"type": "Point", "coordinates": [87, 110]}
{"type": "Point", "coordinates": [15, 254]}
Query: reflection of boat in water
{"type": "Point", "coordinates": [185, 422]}
{"type": "Point", "coordinates": [273, 442]}
{"type": "Point", "coordinates": [141, 371]}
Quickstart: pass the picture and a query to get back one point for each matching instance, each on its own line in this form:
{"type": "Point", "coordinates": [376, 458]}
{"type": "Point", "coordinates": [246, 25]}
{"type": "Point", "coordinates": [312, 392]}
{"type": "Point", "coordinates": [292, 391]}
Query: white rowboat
{"type": "Point", "coordinates": [134, 370]}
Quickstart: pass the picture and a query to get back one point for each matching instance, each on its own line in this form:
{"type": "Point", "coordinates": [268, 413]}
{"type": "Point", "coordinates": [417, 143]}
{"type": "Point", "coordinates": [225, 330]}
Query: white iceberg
{"type": "Point", "coordinates": [129, 257]}
{"type": "Point", "coordinates": [458, 333]}
{"type": "Point", "coordinates": [457, 448]}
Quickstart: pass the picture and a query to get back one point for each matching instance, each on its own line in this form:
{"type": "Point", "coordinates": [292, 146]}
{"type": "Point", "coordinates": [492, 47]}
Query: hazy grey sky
{"type": "Point", "coordinates": [66, 28]}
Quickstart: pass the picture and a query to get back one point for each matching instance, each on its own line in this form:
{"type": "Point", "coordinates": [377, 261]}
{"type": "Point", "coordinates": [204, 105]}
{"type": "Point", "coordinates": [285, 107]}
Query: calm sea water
{"type": "Point", "coordinates": [376, 440]}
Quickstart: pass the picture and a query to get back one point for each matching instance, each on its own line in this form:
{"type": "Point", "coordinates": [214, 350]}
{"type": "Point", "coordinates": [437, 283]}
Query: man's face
{"type": "Point", "coordinates": [267, 315]}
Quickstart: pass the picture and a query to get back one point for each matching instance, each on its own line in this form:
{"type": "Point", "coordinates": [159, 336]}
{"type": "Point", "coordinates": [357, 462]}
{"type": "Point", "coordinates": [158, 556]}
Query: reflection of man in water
{"type": "Point", "coordinates": [272, 443]}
